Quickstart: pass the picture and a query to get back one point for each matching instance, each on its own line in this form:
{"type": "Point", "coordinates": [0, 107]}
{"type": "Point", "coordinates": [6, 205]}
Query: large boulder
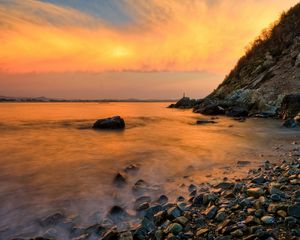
{"type": "Point", "coordinates": [110, 123]}
{"type": "Point", "coordinates": [185, 103]}
{"type": "Point", "coordinates": [290, 106]}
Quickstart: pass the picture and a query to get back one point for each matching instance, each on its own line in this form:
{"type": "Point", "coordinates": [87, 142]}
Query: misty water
{"type": "Point", "coordinates": [51, 160]}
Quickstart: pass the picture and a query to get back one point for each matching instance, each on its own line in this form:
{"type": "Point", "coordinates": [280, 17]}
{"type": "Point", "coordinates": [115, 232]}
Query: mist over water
{"type": "Point", "coordinates": [51, 160]}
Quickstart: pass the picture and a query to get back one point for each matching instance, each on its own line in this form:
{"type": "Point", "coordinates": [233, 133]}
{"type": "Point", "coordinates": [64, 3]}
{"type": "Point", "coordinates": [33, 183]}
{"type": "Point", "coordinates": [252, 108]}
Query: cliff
{"type": "Point", "coordinates": [267, 77]}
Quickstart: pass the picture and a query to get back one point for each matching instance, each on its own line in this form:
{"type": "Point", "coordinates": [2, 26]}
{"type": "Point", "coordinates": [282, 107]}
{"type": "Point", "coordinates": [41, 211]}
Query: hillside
{"type": "Point", "coordinates": [265, 75]}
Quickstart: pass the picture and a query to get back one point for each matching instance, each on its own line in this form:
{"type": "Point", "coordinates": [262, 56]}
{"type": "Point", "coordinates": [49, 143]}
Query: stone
{"type": "Point", "coordinates": [126, 236]}
{"type": "Point", "coordinates": [268, 220]}
{"type": "Point", "coordinates": [142, 202]}
{"type": "Point", "coordinates": [225, 185]}
{"type": "Point", "coordinates": [174, 228]}
{"type": "Point", "coordinates": [297, 194]}
{"type": "Point", "coordinates": [275, 197]}
{"type": "Point", "coordinates": [140, 187]}
{"type": "Point", "coordinates": [132, 168]}
{"type": "Point", "coordinates": [119, 180]}
{"type": "Point", "coordinates": [290, 106]}
{"type": "Point", "coordinates": [192, 188]}
{"type": "Point", "coordinates": [181, 220]}
{"type": "Point", "coordinates": [294, 210]}
{"type": "Point", "coordinates": [52, 220]}
{"type": "Point", "coordinates": [211, 109]}
{"type": "Point", "coordinates": [116, 213]}
{"type": "Point", "coordinates": [211, 212]}
{"type": "Point", "coordinates": [201, 232]}
{"type": "Point", "coordinates": [237, 112]}
{"type": "Point", "coordinates": [174, 212]}
{"type": "Point", "coordinates": [202, 122]}
{"type": "Point", "coordinates": [220, 217]}
{"type": "Point", "coordinates": [237, 233]}
{"type": "Point", "coordinates": [185, 103]}
{"type": "Point", "coordinates": [163, 199]}
{"type": "Point", "coordinates": [290, 123]}
{"type": "Point", "coordinates": [281, 213]}
{"type": "Point", "coordinates": [255, 192]}
{"type": "Point", "coordinates": [198, 200]}
{"type": "Point", "coordinates": [290, 221]}
{"type": "Point", "coordinates": [243, 163]}
{"type": "Point", "coordinates": [115, 122]}
{"type": "Point", "coordinates": [259, 180]}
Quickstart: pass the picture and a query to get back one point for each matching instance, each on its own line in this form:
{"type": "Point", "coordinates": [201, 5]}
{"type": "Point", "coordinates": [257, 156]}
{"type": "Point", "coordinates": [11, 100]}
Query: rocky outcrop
{"type": "Point", "coordinates": [185, 103]}
{"type": "Point", "coordinates": [290, 106]}
{"type": "Point", "coordinates": [266, 81]}
{"type": "Point", "coordinates": [110, 123]}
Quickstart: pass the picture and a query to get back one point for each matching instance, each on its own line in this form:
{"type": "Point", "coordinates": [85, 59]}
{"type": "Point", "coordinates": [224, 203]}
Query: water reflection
{"type": "Point", "coordinates": [50, 158]}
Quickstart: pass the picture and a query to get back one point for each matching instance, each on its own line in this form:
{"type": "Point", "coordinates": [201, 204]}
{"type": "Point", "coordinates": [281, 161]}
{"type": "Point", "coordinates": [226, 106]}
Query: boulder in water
{"type": "Point", "coordinates": [115, 122]}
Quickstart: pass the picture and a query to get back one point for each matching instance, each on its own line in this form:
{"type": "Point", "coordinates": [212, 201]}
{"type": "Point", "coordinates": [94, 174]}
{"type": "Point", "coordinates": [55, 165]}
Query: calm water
{"type": "Point", "coordinates": [51, 160]}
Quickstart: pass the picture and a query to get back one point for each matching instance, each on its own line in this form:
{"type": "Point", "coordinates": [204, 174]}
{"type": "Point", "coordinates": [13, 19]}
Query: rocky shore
{"type": "Point", "coordinates": [265, 204]}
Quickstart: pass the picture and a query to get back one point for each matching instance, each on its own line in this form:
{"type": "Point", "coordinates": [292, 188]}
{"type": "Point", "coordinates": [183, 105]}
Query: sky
{"type": "Point", "coordinates": [93, 49]}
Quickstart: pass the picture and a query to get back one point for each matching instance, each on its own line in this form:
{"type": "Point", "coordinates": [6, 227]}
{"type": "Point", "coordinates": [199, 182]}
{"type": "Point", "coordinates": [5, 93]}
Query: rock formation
{"type": "Point", "coordinates": [266, 81]}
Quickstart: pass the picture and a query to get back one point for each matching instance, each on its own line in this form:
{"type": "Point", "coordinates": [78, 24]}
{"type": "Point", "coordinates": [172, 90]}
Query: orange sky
{"type": "Point", "coordinates": [162, 35]}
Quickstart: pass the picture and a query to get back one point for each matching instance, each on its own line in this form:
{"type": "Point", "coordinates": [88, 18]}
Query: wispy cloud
{"type": "Point", "coordinates": [157, 35]}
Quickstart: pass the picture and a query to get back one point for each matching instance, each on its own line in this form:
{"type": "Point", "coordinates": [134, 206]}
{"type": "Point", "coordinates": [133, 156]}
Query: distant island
{"type": "Point", "coordinates": [45, 99]}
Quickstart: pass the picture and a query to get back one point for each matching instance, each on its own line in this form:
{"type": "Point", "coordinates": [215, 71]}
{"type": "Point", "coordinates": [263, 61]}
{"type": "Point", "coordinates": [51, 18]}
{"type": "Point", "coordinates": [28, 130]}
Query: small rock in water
{"type": "Point", "coordinates": [120, 180]}
{"type": "Point", "coordinates": [52, 220]}
{"type": "Point", "coordinates": [243, 163]}
{"type": "Point", "coordinates": [163, 199]}
{"type": "Point", "coordinates": [201, 122]}
{"type": "Point", "coordinates": [192, 188]}
{"type": "Point", "coordinates": [110, 123]}
{"type": "Point", "coordinates": [132, 168]}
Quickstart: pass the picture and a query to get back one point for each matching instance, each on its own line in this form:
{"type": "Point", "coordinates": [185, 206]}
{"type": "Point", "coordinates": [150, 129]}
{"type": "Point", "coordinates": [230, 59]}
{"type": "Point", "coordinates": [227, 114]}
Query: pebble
{"type": "Point", "coordinates": [268, 220]}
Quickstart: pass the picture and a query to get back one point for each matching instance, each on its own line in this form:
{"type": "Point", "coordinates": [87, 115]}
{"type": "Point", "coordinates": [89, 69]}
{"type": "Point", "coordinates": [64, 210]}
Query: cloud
{"type": "Point", "coordinates": [169, 35]}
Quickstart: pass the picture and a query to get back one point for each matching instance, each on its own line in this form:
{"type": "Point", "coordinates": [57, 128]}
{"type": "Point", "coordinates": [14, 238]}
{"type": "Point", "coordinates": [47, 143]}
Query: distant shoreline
{"type": "Point", "coordinates": [49, 100]}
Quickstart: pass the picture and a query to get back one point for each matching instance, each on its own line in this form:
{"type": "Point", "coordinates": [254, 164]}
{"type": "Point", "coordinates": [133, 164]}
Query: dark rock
{"type": "Point", "coordinates": [268, 220]}
{"type": "Point", "coordinates": [202, 122]}
{"type": "Point", "coordinates": [290, 106]}
{"type": "Point", "coordinates": [211, 109]}
{"type": "Point", "coordinates": [294, 210]}
{"type": "Point", "coordinates": [243, 163]}
{"type": "Point", "coordinates": [192, 188]}
{"type": "Point", "coordinates": [163, 199]}
{"type": "Point", "coordinates": [52, 220]}
{"type": "Point", "coordinates": [237, 112]}
{"type": "Point", "coordinates": [110, 123]}
{"type": "Point", "coordinates": [290, 123]}
{"type": "Point", "coordinates": [185, 103]}
{"type": "Point", "coordinates": [211, 212]}
{"type": "Point", "coordinates": [119, 180]}
{"type": "Point", "coordinates": [140, 187]}
{"type": "Point", "coordinates": [174, 212]}
{"type": "Point", "coordinates": [131, 169]}
{"type": "Point", "coordinates": [111, 234]}
{"type": "Point", "coordinates": [117, 213]}
{"type": "Point", "coordinates": [275, 197]}
{"type": "Point", "coordinates": [174, 228]}
{"type": "Point", "coordinates": [142, 203]}
{"type": "Point", "coordinates": [225, 185]}
{"type": "Point", "coordinates": [259, 180]}
{"type": "Point", "coordinates": [198, 200]}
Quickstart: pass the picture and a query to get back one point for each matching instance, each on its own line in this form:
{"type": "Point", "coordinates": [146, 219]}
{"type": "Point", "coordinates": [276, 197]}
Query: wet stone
{"type": "Point", "coordinates": [211, 212]}
{"type": "Point", "coordinates": [268, 220]}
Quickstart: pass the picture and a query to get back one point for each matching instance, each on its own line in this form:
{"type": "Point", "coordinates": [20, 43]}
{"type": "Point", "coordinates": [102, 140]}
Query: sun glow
{"type": "Point", "coordinates": [169, 35]}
